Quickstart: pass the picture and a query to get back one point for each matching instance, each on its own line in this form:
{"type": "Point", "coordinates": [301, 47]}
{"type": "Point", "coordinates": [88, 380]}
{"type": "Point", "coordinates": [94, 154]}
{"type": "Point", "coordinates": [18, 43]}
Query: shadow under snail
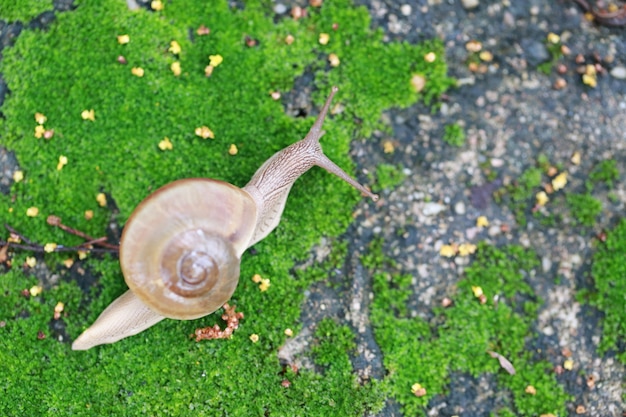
{"type": "Point", "coordinates": [180, 249]}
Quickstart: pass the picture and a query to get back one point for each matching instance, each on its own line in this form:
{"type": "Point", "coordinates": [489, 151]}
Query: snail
{"type": "Point", "coordinates": [181, 247]}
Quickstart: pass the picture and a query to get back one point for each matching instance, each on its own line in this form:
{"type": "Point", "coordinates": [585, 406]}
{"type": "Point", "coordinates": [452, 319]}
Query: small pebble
{"type": "Point", "coordinates": [546, 264]}
{"type": "Point", "coordinates": [406, 9]}
{"type": "Point", "coordinates": [619, 73]}
{"type": "Point", "coordinates": [431, 209]}
{"type": "Point", "coordinates": [459, 208]}
{"type": "Point", "coordinates": [280, 8]}
{"type": "Point", "coordinates": [469, 4]}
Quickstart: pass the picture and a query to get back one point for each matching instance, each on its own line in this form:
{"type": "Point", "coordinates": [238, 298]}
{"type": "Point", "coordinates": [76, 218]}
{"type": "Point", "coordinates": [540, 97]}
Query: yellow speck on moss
{"type": "Point", "coordinates": [478, 291]}
{"type": "Point", "coordinates": [334, 61]}
{"type": "Point", "coordinates": [59, 307]}
{"type": "Point", "coordinates": [88, 115]}
{"type": "Point", "coordinates": [590, 80]}
{"type": "Point", "coordinates": [166, 144]}
{"type": "Point", "coordinates": [18, 176]}
{"type": "Point", "coordinates": [35, 290]}
{"type": "Point", "coordinates": [482, 221]}
{"type": "Point", "coordinates": [89, 214]}
{"type": "Point", "coordinates": [232, 150]}
{"type": "Point", "coordinates": [430, 57]}
{"type": "Point", "coordinates": [215, 60]}
{"type": "Point", "coordinates": [559, 181]}
{"type": "Point", "coordinates": [40, 118]}
{"type": "Point", "coordinates": [568, 364]}
{"type": "Point", "coordinates": [175, 48]}
{"type": "Point", "coordinates": [324, 38]}
{"type": "Point", "coordinates": [62, 162]}
{"type": "Point", "coordinates": [157, 5]}
{"type": "Point", "coordinates": [32, 211]}
{"type": "Point", "coordinates": [50, 247]}
{"type": "Point", "coordinates": [175, 67]}
{"type": "Point", "coordinates": [530, 390]}
{"type": "Point", "coordinates": [39, 131]}
{"type": "Point", "coordinates": [31, 261]}
{"type": "Point", "coordinates": [418, 82]}
{"type": "Point", "coordinates": [123, 39]}
{"type": "Point", "coordinates": [264, 285]}
{"type": "Point", "coordinates": [466, 249]}
{"type": "Point", "coordinates": [448, 251]}
{"type": "Point", "coordinates": [288, 332]}
{"type": "Point", "coordinates": [254, 338]}
{"type": "Point", "coordinates": [204, 132]}
{"type": "Point", "coordinates": [418, 390]}
{"type": "Point", "coordinates": [542, 198]}
{"type": "Point", "coordinates": [553, 38]}
{"type": "Point", "coordinates": [101, 198]}
{"type": "Point", "coordinates": [388, 146]}
{"type": "Point", "coordinates": [256, 278]}
{"type": "Point", "coordinates": [137, 71]}
{"type": "Point", "coordinates": [473, 46]}
{"type": "Point", "coordinates": [82, 254]}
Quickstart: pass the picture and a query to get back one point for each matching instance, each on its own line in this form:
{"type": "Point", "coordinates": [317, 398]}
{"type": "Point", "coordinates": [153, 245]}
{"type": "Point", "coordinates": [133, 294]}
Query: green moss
{"type": "Point", "coordinates": [609, 273]}
{"type": "Point", "coordinates": [584, 208]}
{"type": "Point", "coordinates": [415, 352]}
{"type": "Point", "coordinates": [454, 135]}
{"type": "Point", "coordinates": [23, 10]}
{"type": "Point", "coordinates": [388, 176]}
{"type": "Point", "coordinates": [555, 54]}
{"type": "Point", "coordinates": [521, 192]}
{"type": "Point", "coordinates": [73, 66]}
{"type": "Point", "coordinates": [375, 257]}
{"type": "Point", "coordinates": [606, 171]}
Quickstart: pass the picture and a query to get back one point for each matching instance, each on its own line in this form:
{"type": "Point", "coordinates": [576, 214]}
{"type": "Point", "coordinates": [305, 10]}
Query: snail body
{"type": "Point", "coordinates": [181, 247]}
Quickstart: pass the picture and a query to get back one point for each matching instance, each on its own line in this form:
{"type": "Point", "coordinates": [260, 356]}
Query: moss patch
{"type": "Point", "coordinates": [416, 352]}
{"type": "Point", "coordinates": [539, 191]}
{"type": "Point", "coordinates": [454, 135]}
{"type": "Point", "coordinates": [584, 208]}
{"type": "Point", "coordinates": [388, 176]}
{"type": "Point", "coordinates": [74, 66]}
{"type": "Point", "coordinates": [520, 193]}
{"type": "Point", "coordinates": [609, 274]}
{"type": "Point", "coordinates": [23, 10]}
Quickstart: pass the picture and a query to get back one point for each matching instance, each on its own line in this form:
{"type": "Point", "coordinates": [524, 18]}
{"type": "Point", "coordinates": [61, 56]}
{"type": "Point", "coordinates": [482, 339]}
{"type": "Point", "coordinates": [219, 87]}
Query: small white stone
{"type": "Point", "coordinates": [494, 230]}
{"type": "Point", "coordinates": [431, 209]}
{"type": "Point", "coordinates": [459, 208]}
{"type": "Point", "coordinates": [406, 9]}
{"type": "Point", "coordinates": [470, 4]}
{"type": "Point", "coordinates": [546, 264]}
{"type": "Point", "coordinates": [280, 8]}
{"type": "Point", "coordinates": [619, 73]}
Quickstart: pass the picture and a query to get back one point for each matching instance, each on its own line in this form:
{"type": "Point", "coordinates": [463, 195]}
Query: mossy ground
{"type": "Point", "coordinates": [73, 66]}
{"type": "Point", "coordinates": [415, 352]}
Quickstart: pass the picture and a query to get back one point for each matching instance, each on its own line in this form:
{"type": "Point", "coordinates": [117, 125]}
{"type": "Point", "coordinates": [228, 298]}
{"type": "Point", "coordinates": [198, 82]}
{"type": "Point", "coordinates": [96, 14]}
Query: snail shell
{"type": "Point", "coordinates": [181, 248]}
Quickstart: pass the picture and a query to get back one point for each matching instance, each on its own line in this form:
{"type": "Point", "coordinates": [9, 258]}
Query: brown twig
{"type": "Point", "coordinates": [56, 221]}
{"type": "Point", "coordinates": [28, 245]}
{"type": "Point", "coordinates": [18, 234]}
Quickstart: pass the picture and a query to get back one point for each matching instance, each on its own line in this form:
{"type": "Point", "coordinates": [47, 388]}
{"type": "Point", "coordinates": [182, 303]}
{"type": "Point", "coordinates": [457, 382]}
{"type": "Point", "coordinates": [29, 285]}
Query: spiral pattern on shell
{"type": "Point", "coordinates": [181, 248]}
